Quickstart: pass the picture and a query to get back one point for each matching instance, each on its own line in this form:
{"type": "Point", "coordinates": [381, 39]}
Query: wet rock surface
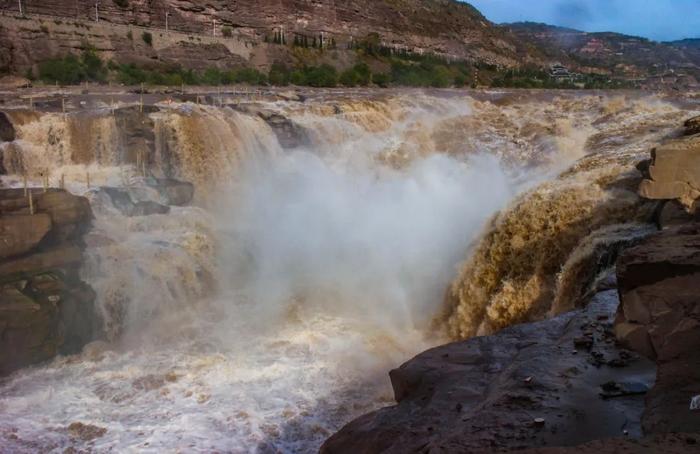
{"type": "Point", "coordinates": [123, 202]}
{"type": "Point", "coordinates": [674, 172]}
{"type": "Point", "coordinates": [45, 309]}
{"type": "Point", "coordinates": [540, 384]}
{"type": "Point", "coordinates": [678, 443]}
{"type": "Point", "coordinates": [659, 317]}
{"type": "Point", "coordinates": [7, 131]}
{"type": "Point", "coordinates": [660, 302]}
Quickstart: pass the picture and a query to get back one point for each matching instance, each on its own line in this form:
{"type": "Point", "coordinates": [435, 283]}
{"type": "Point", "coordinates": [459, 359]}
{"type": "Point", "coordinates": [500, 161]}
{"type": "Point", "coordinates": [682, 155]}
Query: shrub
{"type": "Point", "coordinates": [227, 32]}
{"type": "Point", "coordinates": [297, 77]}
{"type": "Point", "coordinates": [130, 35]}
{"type": "Point", "coordinates": [381, 79]}
{"type": "Point", "coordinates": [250, 76]}
{"type": "Point", "coordinates": [44, 29]}
{"type": "Point", "coordinates": [212, 76]}
{"type": "Point", "coordinates": [147, 38]}
{"type": "Point", "coordinates": [349, 78]}
{"type": "Point", "coordinates": [322, 76]}
{"type": "Point", "coordinates": [441, 77]}
{"type": "Point", "coordinates": [279, 75]}
{"type": "Point", "coordinates": [67, 70]}
{"type": "Point", "coordinates": [93, 66]}
{"type": "Point", "coordinates": [364, 74]}
{"type": "Point", "coordinates": [122, 3]}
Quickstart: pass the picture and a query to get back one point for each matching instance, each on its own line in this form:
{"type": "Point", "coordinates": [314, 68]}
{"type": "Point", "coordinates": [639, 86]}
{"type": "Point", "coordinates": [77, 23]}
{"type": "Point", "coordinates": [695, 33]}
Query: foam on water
{"type": "Point", "coordinates": [269, 319]}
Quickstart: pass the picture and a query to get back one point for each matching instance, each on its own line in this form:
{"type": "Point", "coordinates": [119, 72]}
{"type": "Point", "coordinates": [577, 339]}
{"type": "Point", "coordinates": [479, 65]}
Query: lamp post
{"type": "Point", "coordinates": [20, 8]}
{"type": "Point", "coordinates": [166, 21]}
{"type": "Point", "coordinates": [97, 11]}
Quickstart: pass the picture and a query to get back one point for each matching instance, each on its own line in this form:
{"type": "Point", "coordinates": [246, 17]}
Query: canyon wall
{"type": "Point", "coordinates": [448, 28]}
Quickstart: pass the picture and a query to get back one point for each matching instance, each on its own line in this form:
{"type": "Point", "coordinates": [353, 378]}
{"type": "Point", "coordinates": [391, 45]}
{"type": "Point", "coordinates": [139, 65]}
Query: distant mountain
{"type": "Point", "coordinates": [689, 43]}
{"type": "Point", "coordinates": [619, 55]}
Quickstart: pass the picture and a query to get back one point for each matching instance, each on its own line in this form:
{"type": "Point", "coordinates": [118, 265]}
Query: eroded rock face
{"type": "Point", "coordinates": [674, 172]}
{"type": "Point", "coordinates": [22, 233]}
{"type": "Point", "coordinates": [486, 394]}
{"type": "Point", "coordinates": [45, 309]}
{"type": "Point", "coordinates": [659, 283]}
{"type": "Point", "coordinates": [659, 316]}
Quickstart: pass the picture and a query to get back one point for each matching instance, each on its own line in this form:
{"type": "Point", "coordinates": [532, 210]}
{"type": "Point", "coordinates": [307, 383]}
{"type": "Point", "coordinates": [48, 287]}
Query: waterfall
{"type": "Point", "coordinates": [327, 242]}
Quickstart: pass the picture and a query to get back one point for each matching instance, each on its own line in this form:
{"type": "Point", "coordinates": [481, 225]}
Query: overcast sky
{"type": "Point", "coordinates": [660, 20]}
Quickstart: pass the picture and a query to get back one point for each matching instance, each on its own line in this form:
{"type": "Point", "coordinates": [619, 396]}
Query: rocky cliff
{"type": "Point", "coordinates": [45, 309]}
{"type": "Point", "coordinates": [196, 32]}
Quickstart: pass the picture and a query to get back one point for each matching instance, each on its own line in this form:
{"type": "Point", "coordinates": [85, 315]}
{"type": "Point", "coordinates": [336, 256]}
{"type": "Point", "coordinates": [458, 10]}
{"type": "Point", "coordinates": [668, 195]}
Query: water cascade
{"type": "Point", "coordinates": [316, 253]}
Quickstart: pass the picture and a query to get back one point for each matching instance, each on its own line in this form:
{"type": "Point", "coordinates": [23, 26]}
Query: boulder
{"type": "Point", "coordinates": [7, 131]}
{"type": "Point", "coordinates": [659, 317]}
{"type": "Point", "coordinates": [674, 172]}
{"type": "Point", "coordinates": [70, 215]}
{"type": "Point", "coordinates": [671, 213]}
{"type": "Point", "coordinates": [692, 126]}
{"type": "Point", "coordinates": [60, 257]}
{"type": "Point", "coordinates": [531, 385]}
{"type": "Point", "coordinates": [42, 316]}
{"type": "Point", "coordinates": [14, 83]}
{"type": "Point", "coordinates": [659, 284]}
{"type": "Point", "coordinates": [45, 309]}
{"type": "Point", "coordinates": [22, 233]}
{"type": "Point", "coordinates": [123, 202]}
{"type": "Point", "coordinates": [174, 192]}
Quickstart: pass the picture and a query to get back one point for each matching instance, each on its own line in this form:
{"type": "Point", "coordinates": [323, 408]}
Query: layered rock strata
{"type": "Point", "coordinates": [45, 309]}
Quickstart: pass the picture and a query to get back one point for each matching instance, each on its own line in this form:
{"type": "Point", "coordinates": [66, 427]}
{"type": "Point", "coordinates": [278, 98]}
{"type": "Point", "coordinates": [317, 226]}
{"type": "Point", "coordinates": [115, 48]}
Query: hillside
{"type": "Point", "coordinates": [621, 56]}
{"type": "Point", "coordinates": [172, 36]}
{"type": "Point", "coordinates": [195, 36]}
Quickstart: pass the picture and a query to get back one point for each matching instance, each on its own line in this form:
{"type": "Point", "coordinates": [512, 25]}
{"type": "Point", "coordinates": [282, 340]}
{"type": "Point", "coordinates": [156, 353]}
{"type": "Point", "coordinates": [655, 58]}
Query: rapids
{"type": "Point", "coordinates": [267, 315]}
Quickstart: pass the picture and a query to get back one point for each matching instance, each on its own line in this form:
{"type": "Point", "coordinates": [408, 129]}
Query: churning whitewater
{"type": "Point", "coordinates": [266, 316]}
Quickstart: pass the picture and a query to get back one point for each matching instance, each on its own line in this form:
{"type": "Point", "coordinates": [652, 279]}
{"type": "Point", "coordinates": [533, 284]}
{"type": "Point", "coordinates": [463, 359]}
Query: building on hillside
{"type": "Point", "coordinates": [559, 72]}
